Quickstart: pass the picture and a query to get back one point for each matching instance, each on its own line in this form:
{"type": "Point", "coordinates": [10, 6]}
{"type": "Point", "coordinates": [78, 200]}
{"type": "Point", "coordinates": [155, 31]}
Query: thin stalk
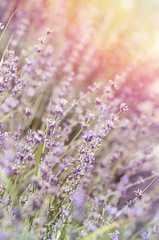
{"type": "Point", "coordinates": [2, 35]}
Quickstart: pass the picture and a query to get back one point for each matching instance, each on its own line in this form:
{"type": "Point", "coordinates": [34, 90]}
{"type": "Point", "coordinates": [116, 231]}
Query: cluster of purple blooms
{"type": "Point", "coordinates": [75, 161]}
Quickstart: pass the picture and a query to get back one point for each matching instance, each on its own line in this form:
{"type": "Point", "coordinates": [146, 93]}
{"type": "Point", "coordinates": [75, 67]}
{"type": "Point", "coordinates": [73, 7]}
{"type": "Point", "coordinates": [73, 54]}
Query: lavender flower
{"type": "Point", "coordinates": [37, 48]}
{"type": "Point", "coordinates": [124, 107]}
{"type": "Point", "coordinates": [138, 193]}
{"type": "Point", "coordinates": [114, 236]}
{"type": "Point", "coordinates": [42, 40]}
{"type": "Point", "coordinates": [27, 112]}
{"type": "Point", "coordinates": [48, 31]}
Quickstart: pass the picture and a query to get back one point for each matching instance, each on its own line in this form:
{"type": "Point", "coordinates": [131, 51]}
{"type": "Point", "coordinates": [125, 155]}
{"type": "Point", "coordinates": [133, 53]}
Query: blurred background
{"type": "Point", "coordinates": [108, 37]}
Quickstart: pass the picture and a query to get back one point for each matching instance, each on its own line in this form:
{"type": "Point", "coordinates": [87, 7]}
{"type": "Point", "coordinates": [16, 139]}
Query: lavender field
{"type": "Point", "coordinates": [79, 120]}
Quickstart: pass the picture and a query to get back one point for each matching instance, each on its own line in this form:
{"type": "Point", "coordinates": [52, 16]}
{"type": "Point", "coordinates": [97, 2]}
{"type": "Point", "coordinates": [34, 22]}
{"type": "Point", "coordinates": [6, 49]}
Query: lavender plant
{"type": "Point", "coordinates": [78, 156]}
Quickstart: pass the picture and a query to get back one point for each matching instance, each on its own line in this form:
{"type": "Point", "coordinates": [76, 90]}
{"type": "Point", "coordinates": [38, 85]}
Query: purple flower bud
{"type": "Point", "coordinates": [144, 235]}
{"type": "Point", "coordinates": [37, 48]}
{"type": "Point", "coordinates": [138, 193]}
{"type": "Point", "coordinates": [1, 125]}
{"type": "Point", "coordinates": [89, 136]}
{"type": "Point", "coordinates": [50, 123]}
{"type": "Point", "coordinates": [130, 204]}
{"type": "Point", "coordinates": [27, 112]}
{"type": "Point", "coordinates": [10, 53]}
{"type": "Point", "coordinates": [41, 40]}
{"type": "Point", "coordinates": [63, 102]}
{"type": "Point", "coordinates": [48, 31]}
{"type": "Point", "coordinates": [114, 236]}
{"type": "Point", "coordinates": [28, 62]}
{"type": "Point", "coordinates": [98, 101]}
{"type": "Point", "coordinates": [39, 137]}
{"type": "Point", "coordinates": [124, 107]}
{"type": "Point", "coordinates": [59, 111]}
